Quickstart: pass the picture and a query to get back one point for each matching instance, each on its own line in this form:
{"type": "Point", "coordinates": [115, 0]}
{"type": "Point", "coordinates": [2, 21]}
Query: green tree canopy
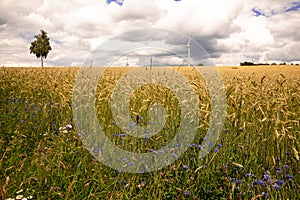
{"type": "Point", "coordinates": [41, 46]}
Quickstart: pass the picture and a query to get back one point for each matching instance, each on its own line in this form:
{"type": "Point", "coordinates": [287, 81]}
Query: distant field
{"type": "Point", "coordinates": [256, 156]}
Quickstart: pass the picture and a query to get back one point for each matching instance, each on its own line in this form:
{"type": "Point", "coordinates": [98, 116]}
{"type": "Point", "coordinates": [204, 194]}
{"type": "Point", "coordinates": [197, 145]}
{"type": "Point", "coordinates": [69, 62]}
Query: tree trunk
{"type": "Point", "coordinates": [42, 64]}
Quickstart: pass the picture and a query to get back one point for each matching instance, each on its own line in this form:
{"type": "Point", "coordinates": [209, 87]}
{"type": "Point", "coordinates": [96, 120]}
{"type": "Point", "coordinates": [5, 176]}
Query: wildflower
{"type": "Point", "coordinates": [123, 159]}
{"type": "Point", "coordinates": [238, 182]}
{"type": "Point", "coordinates": [249, 175]}
{"type": "Point", "coordinates": [216, 150]}
{"type": "Point", "coordinates": [185, 167]}
{"type": "Point", "coordinates": [192, 145]}
{"type": "Point", "coordinates": [220, 145]}
{"type": "Point", "coordinates": [288, 176]}
{"type": "Point", "coordinates": [186, 193]}
{"type": "Point", "coordinates": [278, 169]}
{"type": "Point", "coordinates": [226, 130]}
{"type": "Point", "coordinates": [276, 186]}
{"type": "Point", "coordinates": [69, 126]}
{"type": "Point", "coordinates": [122, 135]}
{"type": "Point", "coordinates": [286, 167]}
{"type": "Point", "coordinates": [261, 183]}
{"type": "Point", "coordinates": [115, 135]}
{"type": "Point", "coordinates": [207, 191]}
{"type": "Point", "coordinates": [130, 163]}
{"type": "Point", "coordinates": [19, 196]}
{"type": "Point", "coordinates": [232, 179]}
{"type": "Point", "coordinates": [266, 177]}
{"type": "Point", "coordinates": [264, 194]}
{"type": "Point", "coordinates": [280, 182]}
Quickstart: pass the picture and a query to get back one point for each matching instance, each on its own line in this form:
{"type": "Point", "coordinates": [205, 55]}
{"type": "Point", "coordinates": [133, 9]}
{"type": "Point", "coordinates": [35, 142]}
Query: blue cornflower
{"type": "Point", "coordinates": [216, 150]}
{"type": "Point", "coordinates": [248, 175]}
{"type": "Point", "coordinates": [185, 167]}
{"type": "Point", "coordinates": [265, 194]}
{"type": "Point", "coordinates": [260, 182]}
{"type": "Point", "coordinates": [192, 145]}
{"type": "Point", "coordinates": [232, 179]}
{"type": "Point", "coordinates": [123, 159]}
{"type": "Point", "coordinates": [266, 177]}
{"type": "Point", "coordinates": [226, 130]}
{"type": "Point", "coordinates": [278, 169]}
{"type": "Point", "coordinates": [276, 186]}
{"type": "Point", "coordinates": [288, 176]}
{"type": "Point", "coordinates": [130, 163]}
{"type": "Point", "coordinates": [286, 167]}
{"type": "Point", "coordinates": [220, 145]}
{"type": "Point", "coordinates": [280, 182]}
{"type": "Point", "coordinates": [187, 193]}
{"type": "Point", "coordinates": [122, 135]}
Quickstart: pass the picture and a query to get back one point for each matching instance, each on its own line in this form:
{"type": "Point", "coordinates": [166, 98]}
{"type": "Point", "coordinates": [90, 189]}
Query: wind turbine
{"type": "Point", "coordinates": [189, 50]}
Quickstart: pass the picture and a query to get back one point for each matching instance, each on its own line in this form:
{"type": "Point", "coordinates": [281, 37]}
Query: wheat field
{"type": "Point", "coordinates": [255, 157]}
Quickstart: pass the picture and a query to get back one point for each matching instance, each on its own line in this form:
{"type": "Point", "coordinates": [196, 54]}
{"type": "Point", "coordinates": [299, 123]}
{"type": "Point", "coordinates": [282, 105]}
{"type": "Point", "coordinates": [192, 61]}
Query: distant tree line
{"type": "Point", "coordinates": [256, 64]}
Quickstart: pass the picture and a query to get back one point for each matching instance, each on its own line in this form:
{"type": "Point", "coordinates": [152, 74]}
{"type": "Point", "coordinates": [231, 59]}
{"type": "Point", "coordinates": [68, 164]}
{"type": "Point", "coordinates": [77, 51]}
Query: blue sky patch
{"type": "Point", "coordinates": [295, 7]}
{"type": "Point", "coordinates": [119, 2]}
{"type": "Point", "coordinates": [257, 12]}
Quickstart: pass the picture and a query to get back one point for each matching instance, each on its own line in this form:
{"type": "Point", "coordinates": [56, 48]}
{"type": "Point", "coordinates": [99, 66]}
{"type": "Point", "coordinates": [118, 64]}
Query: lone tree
{"type": "Point", "coordinates": [40, 46]}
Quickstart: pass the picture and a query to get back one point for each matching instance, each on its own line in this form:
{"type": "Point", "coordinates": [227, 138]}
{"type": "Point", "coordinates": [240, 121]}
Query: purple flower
{"type": "Point", "coordinates": [286, 167]}
{"type": "Point", "coordinates": [216, 150]}
{"type": "Point", "coordinates": [232, 179]}
{"type": "Point", "coordinates": [288, 176]}
{"type": "Point", "coordinates": [122, 135]}
{"type": "Point", "coordinates": [249, 175]}
{"type": "Point", "coordinates": [186, 193]}
{"type": "Point", "coordinates": [130, 163]}
{"type": "Point", "coordinates": [185, 167]}
{"type": "Point", "coordinates": [264, 194]}
{"type": "Point", "coordinates": [220, 145]}
{"type": "Point", "coordinates": [276, 186]}
{"type": "Point", "coordinates": [260, 182]}
{"type": "Point", "coordinates": [226, 130]}
{"type": "Point", "coordinates": [280, 182]}
{"type": "Point", "coordinates": [266, 177]}
{"type": "Point", "coordinates": [278, 169]}
{"type": "Point", "coordinates": [238, 182]}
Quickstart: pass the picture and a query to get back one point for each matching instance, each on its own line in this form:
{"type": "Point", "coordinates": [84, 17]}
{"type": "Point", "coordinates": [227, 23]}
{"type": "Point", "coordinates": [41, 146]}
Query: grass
{"type": "Point", "coordinates": [256, 156]}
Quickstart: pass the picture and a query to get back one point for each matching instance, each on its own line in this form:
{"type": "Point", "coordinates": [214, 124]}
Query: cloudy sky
{"type": "Point", "coordinates": [230, 31]}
